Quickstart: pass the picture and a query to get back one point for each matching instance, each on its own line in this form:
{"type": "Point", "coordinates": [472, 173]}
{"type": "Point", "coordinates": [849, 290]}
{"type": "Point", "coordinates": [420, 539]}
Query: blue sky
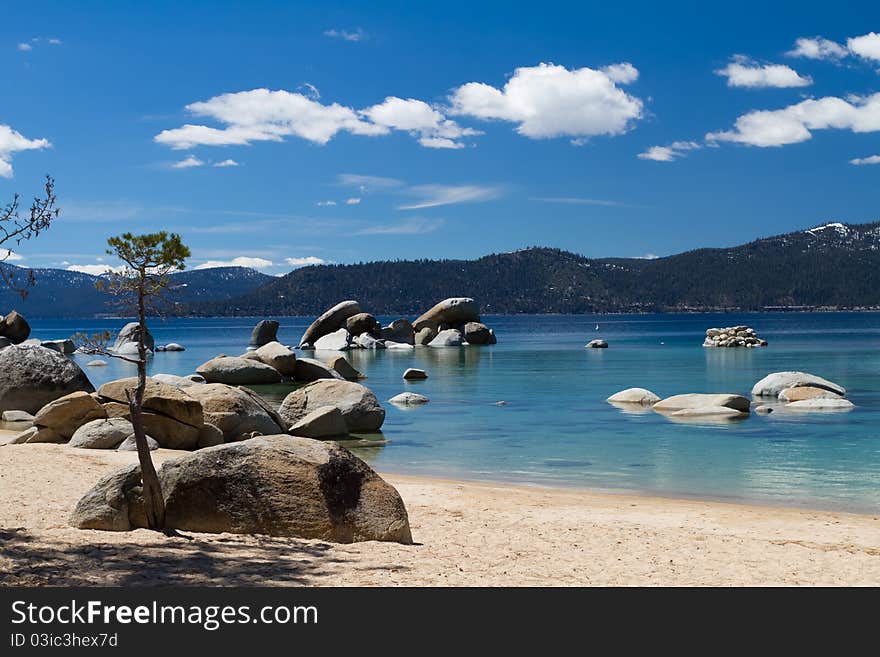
{"type": "Point", "coordinates": [347, 132]}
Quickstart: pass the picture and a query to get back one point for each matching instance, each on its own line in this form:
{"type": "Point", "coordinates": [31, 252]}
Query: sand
{"type": "Point", "coordinates": [467, 533]}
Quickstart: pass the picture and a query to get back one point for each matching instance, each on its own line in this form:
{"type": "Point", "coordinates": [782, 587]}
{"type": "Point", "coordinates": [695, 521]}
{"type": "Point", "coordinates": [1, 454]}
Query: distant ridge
{"type": "Point", "coordinates": [834, 266]}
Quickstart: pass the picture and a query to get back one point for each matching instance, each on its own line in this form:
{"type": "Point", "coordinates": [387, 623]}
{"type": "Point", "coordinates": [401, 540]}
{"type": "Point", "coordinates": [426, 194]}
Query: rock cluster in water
{"type": "Point", "coordinates": [733, 336]}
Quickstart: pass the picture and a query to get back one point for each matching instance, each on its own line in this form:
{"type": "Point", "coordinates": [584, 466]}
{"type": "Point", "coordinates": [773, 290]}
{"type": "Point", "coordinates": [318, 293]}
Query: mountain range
{"type": "Point", "coordinates": [834, 266]}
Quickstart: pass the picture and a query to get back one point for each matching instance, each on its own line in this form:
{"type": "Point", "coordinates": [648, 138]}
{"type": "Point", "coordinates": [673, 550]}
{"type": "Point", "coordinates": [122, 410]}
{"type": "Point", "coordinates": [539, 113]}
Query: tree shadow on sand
{"type": "Point", "coordinates": [224, 560]}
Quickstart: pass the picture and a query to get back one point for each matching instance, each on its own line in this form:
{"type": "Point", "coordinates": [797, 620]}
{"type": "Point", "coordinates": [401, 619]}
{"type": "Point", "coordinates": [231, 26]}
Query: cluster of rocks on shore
{"type": "Point", "coordinates": [789, 391]}
{"type": "Point", "coordinates": [733, 336]}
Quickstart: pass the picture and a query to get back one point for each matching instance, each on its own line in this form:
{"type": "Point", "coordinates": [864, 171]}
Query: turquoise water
{"type": "Point", "coordinates": [557, 430]}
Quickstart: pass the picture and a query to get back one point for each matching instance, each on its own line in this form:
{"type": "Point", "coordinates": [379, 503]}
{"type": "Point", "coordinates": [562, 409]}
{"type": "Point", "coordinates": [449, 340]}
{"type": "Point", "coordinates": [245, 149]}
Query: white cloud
{"type": "Point", "coordinates": [866, 46]}
{"type": "Point", "coordinates": [436, 195]}
{"type": "Point", "coordinates": [551, 101]}
{"type": "Point", "coordinates": [817, 48]}
{"type": "Point", "coordinates": [575, 200]}
{"type": "Point", "coordinates": [414, 226]}
{"type": "Point", "coordinates": [421, 120]}
{"type": "Point", "coordinates": [794, 123]}
{"type": "Point", "coordinates": [10, 256]}
{"type": "Point", "coordinates": [310, 90]}
{"type": "Point", "coordinates": [368, 182]}
{"type": "Point", "coordinates": [305, 261]}
{"type": "Point", "coordinates": [346, 35]}
{"type": "Point", "coordinates": [873, 159]}
{"type": "Point", "coordinates": [240, 261]}
{"type": "Point", "coordinates": [743, 72]}
{"type": "Point", "coordinates": [12, 142]}
{"type": "Point", "coordinates": [226, 163]}
{"type": "Point", "coordinates": [669, 153]}
{"type": "Point", "coordinates": [96, 270]}
{"type": "Point", "coordinates": [188, 163]}
{"type": "Point", "coordinates": [324, 204]}
{"type": "Point", "coordinates": [352, 201]}
{"type": "Point", "coordinates": [264, 115]}
{"type": "Point", "coordinates": [24, 47]}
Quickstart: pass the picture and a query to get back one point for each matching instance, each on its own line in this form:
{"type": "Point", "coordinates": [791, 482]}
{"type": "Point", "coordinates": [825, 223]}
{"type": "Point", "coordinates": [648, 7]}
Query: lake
{"type": "Point", "coordinates": [556, 429]}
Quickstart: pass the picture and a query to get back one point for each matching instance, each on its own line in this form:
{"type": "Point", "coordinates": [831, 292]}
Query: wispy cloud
{"type": "Point", "coordinates": [669, 153]}
{"type": "Point", "coordinates": [365, 183]}
{"type": "Point", "coordinates": [325, 204]}
{"type": "Point", "coordinates": [27, 46]}
{"type": "Point", "coordinates": [414, 226]}
{"type": "Point", "coordinates": [354, 35]}
{"type": "Point", "coordinates": [432, 196]}
{"type": "Point", "coordinates": [353, 200]}
{"type": "Point", "coordinates": [575, 200]}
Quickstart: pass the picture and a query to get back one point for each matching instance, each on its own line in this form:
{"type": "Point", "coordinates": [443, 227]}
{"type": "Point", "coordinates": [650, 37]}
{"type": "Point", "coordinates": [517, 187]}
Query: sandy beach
{"type": "Point", "coordinates": [467, 534]}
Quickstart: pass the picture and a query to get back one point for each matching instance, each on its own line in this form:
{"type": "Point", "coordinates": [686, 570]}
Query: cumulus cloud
{"type": "Point", "coordinates": [421, 120]}
{"type": "Point", "coordinates": [744, 72]}
{"type": "Point", "coordinates": [669, 153]}
{"type": "Point", "coordinates": [188, 163]}
{"type": "Point", "coordinates": [548, 101]}
{"type": "Point", "coordinates": [794, 123]}
{"type": "Point", "coordinates": [817, 48]}
{"type": "Point", "coordinates": [12, 142]}
{"type": "Point", "coordinates": [240, 261]}
{"type": "Point", "coordinates": [346, 35]}
{"type": "Point", "coordinates": [96, 269]}
{"type": "Point", "coordinates": [226, 163]}
{"type": "Point", "coordinates": [414, 226]}
{"type": "Point", "coordinates": [866, 46]}
{"type": "Point", "coordinates": [873, 159]}
{"type": "Point", "coordinates": [431, 196]}
{"type": "Point", "coordinates": [305, 261]}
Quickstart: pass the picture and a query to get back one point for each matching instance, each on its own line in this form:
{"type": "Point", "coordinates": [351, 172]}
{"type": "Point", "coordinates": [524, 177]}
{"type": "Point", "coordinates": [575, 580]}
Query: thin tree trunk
{"type": "Point", "coordinates": [153, 499]}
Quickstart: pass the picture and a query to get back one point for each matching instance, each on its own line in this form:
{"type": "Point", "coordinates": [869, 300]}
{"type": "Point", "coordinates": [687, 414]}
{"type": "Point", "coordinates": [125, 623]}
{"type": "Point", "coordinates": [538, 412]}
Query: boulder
{"type": "Point", "coordinates": [67, 414]}
{"type": "Point", "coordinates": [130, 349]}
{"type": "Point", "coordinates": [325, 422]}
{"type": "Point", "coordinates": [209, 435]}
{"type": "Point", "coordinates": [345, 369]}
{"type": "Point", "coordinates": [15, 328]}
{"type": "Point", "coordinates": [37, 435]}
{"type": "Point", "coordinates": [821, 405]}
{"type": "Point", "coordinates": [718, 412]}
{"type": "Point", "coordinates": [234, 411]}
{"type": "Point", "coordinates": [31, 376]}
{"type": "Point", "coordinates": [65, 347]}
{"type": "Point", "coordinates": [168, 432]}
{"type": "Point", "coordinates": [449, 312]}
{"type": "Point", "coordinates": [339, 340]}
{"type": "Point", "coordinates": [425, 335]}
{"type": "Point", "coordinates": [772, 384]}
{"type": "Point", "coordinates": [367, 341]}
{"type": "Point", "coordinates": [173, 346]}
{"type": "Point", "coordinates": [130, 445]}
{"type": "Point", "coordinates": [694, 400]}
{"type": "Point", "coordinates": [179, 381]}
{"type": "Point", "coordinates": [763, 409]}
{"type": "Point", "coordinates": [161, 398]}
{"type": "Point", "coordinates": [5, 342]}
{"type": "Point", "coordinates": [130, 334]}
{"type": "Point", "coordinates": [359, 406]}
{"type": "Point", "coordinates": [278, 356]}
{"type": "Point", "coordinates": [102, 434]}
{"type": "Point", "coordinates": [309, 369]}
{"type": "Point", "coordinates": [276, 485]}
{"type": "Point", "coordinates": [400, 330]}
{"type": "Point", "coordinates": [398, 346]}
{"type": "Point", "coordinates": [331, 320]}
{"type": "Point", "coordinates": [362, 323]}
{"type": "Point", "coordinates": [806, 392]}
{"type": "Point", "coordinates": [447, 338]}
{"type": "Point", "coordinates": [17, 416]}
{"type": "Point", "coordinates": [408, 398]}
{"type": "Point", "coordinates": [477, 333]}
{"type": "Point", "coordinates": [597, 344]}
{"type": "Point", "coordinates": [634, 396]}
{"type": "Point", "coordinates": [235, 371]}
{"type": "Point", "coordinates": [413, 374]}
{"type": "Point", "coordinates": [97, 363]}
{"type": "Point", "coordinates": [264, 332]}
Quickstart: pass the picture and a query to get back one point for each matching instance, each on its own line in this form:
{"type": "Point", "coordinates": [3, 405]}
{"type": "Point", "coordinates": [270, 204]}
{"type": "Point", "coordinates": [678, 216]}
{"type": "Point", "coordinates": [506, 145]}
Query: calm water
{"type": "Point", "coordinates": [557, 430]}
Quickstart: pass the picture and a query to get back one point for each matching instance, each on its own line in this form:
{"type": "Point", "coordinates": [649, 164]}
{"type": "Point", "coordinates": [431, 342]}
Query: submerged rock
{"type": "Point", "coordinates": [772, 384]}
{"type": "Point", "coordinates": [696, 400]}
{"type": "Point", "coordinates": [597, 344]}
{"type": "Point", "coordinates": [276, 485]}
{"type": "Point", "coordinates": [408, 398]}
{"type": "Point", "coordinates": [634, 396]}
{"type": "Point", "coordinates": [710, 412]}
{"type": "Point", "coordinates": [806, 392]}
{"type": "Point", "coordinates": [821, 405]}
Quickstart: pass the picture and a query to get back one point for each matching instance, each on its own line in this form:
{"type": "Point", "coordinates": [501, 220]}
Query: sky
{"type": "Point", "coordinates": [278, 135]}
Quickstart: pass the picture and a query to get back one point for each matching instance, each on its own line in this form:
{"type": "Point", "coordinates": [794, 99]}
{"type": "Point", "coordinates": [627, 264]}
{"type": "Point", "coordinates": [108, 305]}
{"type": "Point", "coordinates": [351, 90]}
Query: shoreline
{"type": "Point", "coordinates": [466, 533]}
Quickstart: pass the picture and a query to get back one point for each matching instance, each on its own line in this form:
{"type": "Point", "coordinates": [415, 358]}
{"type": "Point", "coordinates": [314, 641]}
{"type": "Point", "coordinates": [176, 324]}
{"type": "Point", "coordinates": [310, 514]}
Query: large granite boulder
{"type": "Point", "coordinates": [102, 434]}
{"type": "Point", "coordinates": [400, 331]}
{"type": "Point", "coordinates": [695, 400]}
{"type": "Point", "coordinates": [359, 406]}
{"type": "Point", "coordinates": [806, 392]}
{"type": "Point", "coordinates": [362, 323]}
{"type": "Point", "coordinates": [425, 335]}
{"type": "Point", "coordinates": [276, 485]}
{"type": "Point", "coordinates": [179, 381]}
{"type": "Point", "coordinates": [278, 356]}
{"type": "Point", "coordinates": [264, 332]}
{"type": "Point", "coordinates": [819, 404]}
{"type": "Point", "coordinates": [234, 411]}
{"type": "Point", "coordinates": [634, 396]}
{"type": "Point", "coordinates": [477, 333]}
{"type": "Point", "coordinates": [130, 444]}
{"type": "Point", "coordinates": [127, 339]}
{"type": "Point", "coordinates": [31, 376]}
{"type": "Point", "coordinates": [68, 413]}
{"type": "Point", "coordinates": [309, 369]}
{"type": "Point", "coordinates": [159, 397]}
{"type": "Point", "coordinates": [15, 328]}
{"type": "Point", "coordinates": [447, 338]}
{"type": "Point", "coordinates": [339, 340]}
{"type": "Point", "coordinates": [65, 347]}
{"type": "Point", "coordinates": [331, 320]}
{"type": "Point", "coordinates": [322, 424]}
{"type": "Point", "coordinates": [238, 371]}
{"type": "Point", "coordinates": [408, 399]}
{"type": "Point", "coordinates": [415, 374]}
{"type": "Point", "coordinates": [456, 311]}
{"type": "Point", "coordinates": [772, 384]}
{"type": "Point", "coordinates": [345, 369]}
